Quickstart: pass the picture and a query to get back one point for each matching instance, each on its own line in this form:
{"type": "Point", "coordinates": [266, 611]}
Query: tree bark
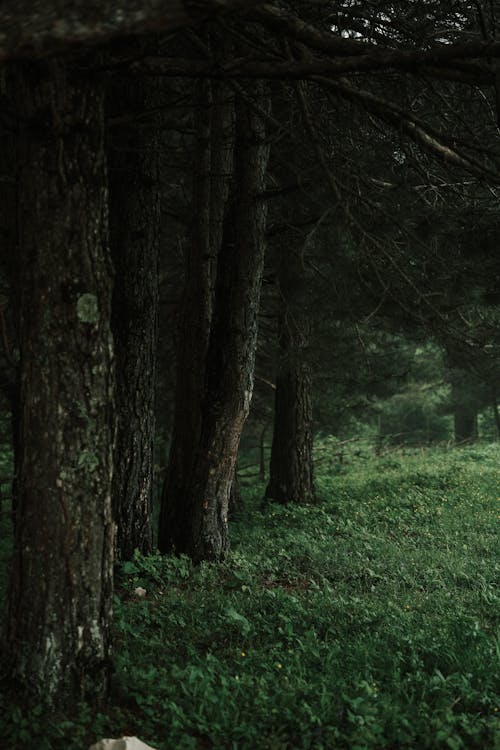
{"type": "Point", "coordinates": [496, 414]}
{"type": "Point", "coordinates": [211, 172]}
{"type": "Point", "coordinates": [31, 29]}
{"type": "Point", "coordinates": [235, 505]}
{"type": "Point", "coordinates": [464, 398]}
{"type": "Point", "coordinates": [60, 594]}
{"type": "Point", "coordinates": [465, 422]}
{"type": "Point", "coordinates": [233, 337]}
{"type": "Point", "coordinates": [134, 232]}
{"type": "Point", "coordinates": [9, 272]}
{"type": "Point", "coordinates": [291, 465]}
{"type": "Point", "coordinates": [262, 454]}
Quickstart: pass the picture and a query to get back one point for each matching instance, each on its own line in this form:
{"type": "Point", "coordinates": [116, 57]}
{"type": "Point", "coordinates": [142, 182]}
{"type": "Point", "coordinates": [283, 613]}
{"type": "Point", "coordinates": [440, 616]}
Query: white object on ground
{"type": "Point", "coordinates": [139, 591]}
{"type": "Point", "coordinates": [124, 743]}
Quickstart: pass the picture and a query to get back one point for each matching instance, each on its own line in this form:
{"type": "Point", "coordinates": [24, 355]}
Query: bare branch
{"type": "Point", "coordinates": [295, 28]}
{"type": "Point", "coordinates": [415, 129]}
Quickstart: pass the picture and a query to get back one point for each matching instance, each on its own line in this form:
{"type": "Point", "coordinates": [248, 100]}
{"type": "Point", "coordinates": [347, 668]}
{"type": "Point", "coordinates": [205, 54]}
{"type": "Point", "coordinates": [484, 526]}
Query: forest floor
{"type": "Point", "coordinates": [368, 621]}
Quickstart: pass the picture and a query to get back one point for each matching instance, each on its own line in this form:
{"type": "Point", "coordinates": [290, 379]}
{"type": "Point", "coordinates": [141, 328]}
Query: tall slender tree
{"type": "Point", "coordinates": [9, 270]}
{"type": "Point", "coordinates": [212, 167]}
{"type": "Point", "coordinates": [291, 466]}
{"type": "Point", "coordinates": [231, 346]}
{"type": "Point", "coordinates": [60, 594]}
{"type": "Point", "coordinates": [134, 152]}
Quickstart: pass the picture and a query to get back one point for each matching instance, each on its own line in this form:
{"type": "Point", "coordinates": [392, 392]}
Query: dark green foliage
{"type": "Point", "coordinates": [367, 621]}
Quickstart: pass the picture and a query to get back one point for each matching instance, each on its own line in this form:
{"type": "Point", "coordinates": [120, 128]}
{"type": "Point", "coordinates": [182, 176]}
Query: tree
{"type": "Point", "coordinates": [212, 167]}
{"type": "Point", "coordinates": [61, 581]}
{"type": "Point", "coordinates": [291, 467]}
{"type": "Point", "coordinates": [134, 162]}
{"type": "Point", "coordinates": [58, 623]}
{"type": "Point", "coordinates": [9, 275]}
{"type": "Point", "coordinates": [472, 371]}
{"type": "Point", "coordinates": [233, 335]}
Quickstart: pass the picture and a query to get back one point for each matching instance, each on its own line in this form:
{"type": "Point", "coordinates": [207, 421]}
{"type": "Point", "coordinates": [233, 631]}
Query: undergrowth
{"type": "Point", "coordinates": [368, 620]}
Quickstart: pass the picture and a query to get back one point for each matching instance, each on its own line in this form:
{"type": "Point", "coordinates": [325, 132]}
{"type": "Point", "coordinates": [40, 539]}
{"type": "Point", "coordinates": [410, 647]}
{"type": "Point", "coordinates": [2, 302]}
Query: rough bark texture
{"type": "Point", "coordinates": [9, 270]}
{"type": "Point", "coordinates": [235, 498]}
{"type": "Point", "coordinates": [61, 582]}
{"type": "Point", "coordinates": [291, 466]}
{"type": "Point", "coordinates": [194, 328]}
{"type": "Point", "coordinates": [231, 349]}
{"type": "Point", "coordinates": [134, 226]}
{"type": "Point", "coordinates": [211, 171]}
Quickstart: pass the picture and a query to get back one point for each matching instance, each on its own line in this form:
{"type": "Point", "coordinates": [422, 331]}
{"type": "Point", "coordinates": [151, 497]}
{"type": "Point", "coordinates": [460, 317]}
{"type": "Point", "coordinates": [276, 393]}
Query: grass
{"type": "Point", "coordinates": [370, 620]}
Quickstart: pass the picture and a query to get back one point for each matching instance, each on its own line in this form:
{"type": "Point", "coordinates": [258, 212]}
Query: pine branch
{"type": "Point", "coordinates": [32, 29]}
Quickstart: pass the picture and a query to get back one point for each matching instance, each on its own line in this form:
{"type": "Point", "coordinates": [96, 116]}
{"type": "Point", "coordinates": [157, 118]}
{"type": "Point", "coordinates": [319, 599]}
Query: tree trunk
{"type": "Point", "coordinates": [496, 414]}
{"type": "Point", "coordinates": [9, 271]}
{"type": "Point", "coordinates": [211, 171]}
{"type": "Point", "coordinates": [235, 497]}
{"type": "Point", "coordinates": [231, 350]}
{"type": "Point", "coordinates": [291, 466]}
{"type": "Point", "coordinates": [465, 420]}
{"type": "Point", "coordinates": [61, 581]}
{"type": "Point", "coordinates": [134, 230]}
{"type": "Point", "coordinates": [262, 454]}
{"type": "Point", "coordinates": [463, 401]}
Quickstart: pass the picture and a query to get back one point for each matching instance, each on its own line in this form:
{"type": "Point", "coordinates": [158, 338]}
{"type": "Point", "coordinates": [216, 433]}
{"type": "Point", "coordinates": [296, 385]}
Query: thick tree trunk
{"type": "Point", "coordinates": [134, 231]}
{"type": "Point", "coordinates": [61, 582]}
{"type": "Point", "coordinates": [231, 349]}
{"type": "Point", "coordinates": [291, 466]}
{"type": "Point", "coordinates": [211, 171]}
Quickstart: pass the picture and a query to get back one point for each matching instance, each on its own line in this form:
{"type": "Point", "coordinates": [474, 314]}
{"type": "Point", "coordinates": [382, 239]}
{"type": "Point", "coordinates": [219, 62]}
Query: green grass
{"type": "Point", "coordinates": [370, 620]}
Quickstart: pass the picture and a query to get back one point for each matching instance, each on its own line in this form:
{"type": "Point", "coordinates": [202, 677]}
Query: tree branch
{"type": "Point", "coordinates": [471, 74]}
{"type": "Point", "coordinates": [31, 29]}
{"type": "Point", "coordinates": [411, 126]}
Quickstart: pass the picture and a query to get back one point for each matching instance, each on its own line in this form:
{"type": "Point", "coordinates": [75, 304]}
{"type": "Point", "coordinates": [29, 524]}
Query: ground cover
{"type": "Point", "coordinates": [369, 620]}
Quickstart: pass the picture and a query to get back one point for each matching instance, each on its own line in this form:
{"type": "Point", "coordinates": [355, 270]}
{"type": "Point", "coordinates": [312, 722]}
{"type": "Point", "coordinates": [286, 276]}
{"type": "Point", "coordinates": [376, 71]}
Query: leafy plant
{"type": "Point", "coordinates": [370, 620]}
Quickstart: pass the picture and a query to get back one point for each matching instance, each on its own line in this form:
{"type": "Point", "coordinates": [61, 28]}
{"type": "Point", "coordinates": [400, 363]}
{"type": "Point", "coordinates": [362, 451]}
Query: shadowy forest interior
{"type": "Point", "coordinates": [250, 374]}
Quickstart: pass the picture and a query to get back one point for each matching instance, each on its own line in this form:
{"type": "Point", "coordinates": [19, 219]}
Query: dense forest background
{"type": "Point", "coordinates": [249, 373]}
